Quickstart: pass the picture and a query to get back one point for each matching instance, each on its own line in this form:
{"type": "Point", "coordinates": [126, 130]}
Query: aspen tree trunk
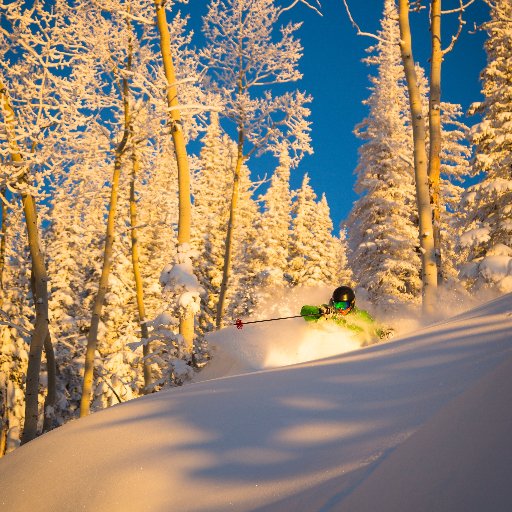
{"type": "Point", "coordinates": [3, 239]}
{"type": "Point", "coordinates": [3, 393]}
{"type": "Point", "coordinates": [92, 337]}
{"type": "Point", "coordinates": [139, 289]}
{"type": "Point", "coordinates": [40, 280]}
{"type": "Point", "coordinates": [428, 261]}
{"type": "Point", "coordinates": [40, 331]}
{"type": "Point", "coordinates": [231, 226]}
{"type": "Point", "coordinates": [184, 203]}
{"type": "Point", "coordinates": [51, 369]}
{"type": "Point", "coordinates": [434, 112]}
{"type": "Point", "coordinates": [3, 424]}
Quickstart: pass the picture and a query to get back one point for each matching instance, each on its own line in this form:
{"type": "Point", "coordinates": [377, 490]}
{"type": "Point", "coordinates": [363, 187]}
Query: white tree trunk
{"type": "Point", "coordinates": [434, 112]}
{"type": "Point", "coordinates": [426, 235]}
{"type": "Point", "coordinates": [92, 337]}
{"type": "Point", "coordinates": [40, 283]}
{"type": "Point", "coordinates": [139, 288]}
{"type": "Point", "coordinates": [226, 270]}
{"type": "Point", "coordinates": [186, 327]}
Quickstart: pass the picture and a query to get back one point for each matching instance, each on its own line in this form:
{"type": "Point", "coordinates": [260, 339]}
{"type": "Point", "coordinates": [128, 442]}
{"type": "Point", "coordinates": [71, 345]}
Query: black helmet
{"type": "Point", "coordinates": [343, 293]}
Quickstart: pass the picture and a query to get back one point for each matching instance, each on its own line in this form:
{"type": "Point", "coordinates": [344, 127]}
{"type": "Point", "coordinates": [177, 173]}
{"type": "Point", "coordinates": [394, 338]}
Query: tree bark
{"type": "Point", "coordinates": [3, 240]}
{"type": "Point", "coordinates": [4, 427]}
{"type": "Point", "coordinates": [428, 260]}
{"type": "Point", "coordinates": [434, 112]}
{"type": "Point", "coordinates": [51, 369]}
{"type": "Point", "coordinates": [40, 331]}
{"type": "Point", "coordinates": [139, 289]}
{"type": "Point", "coordinates": [229, 234]}
{"type": "Point", "coordinates": [92, 337]}
{"type": "Point", "coordinates": [186, 327]}
{"type": "Point", "coordinates": [40, 282]}
{"type": "Point", "coordinates": [3, 393]}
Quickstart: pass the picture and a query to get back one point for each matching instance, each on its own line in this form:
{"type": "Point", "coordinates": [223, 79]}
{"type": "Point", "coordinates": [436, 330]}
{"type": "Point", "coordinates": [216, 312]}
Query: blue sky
{"type": "Point", "coordinates": [338, 81]}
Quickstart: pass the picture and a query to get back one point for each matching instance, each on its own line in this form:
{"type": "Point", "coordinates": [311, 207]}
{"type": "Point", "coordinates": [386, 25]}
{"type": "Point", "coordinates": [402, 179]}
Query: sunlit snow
{"type": "Point", "coordinates": [421, 423]}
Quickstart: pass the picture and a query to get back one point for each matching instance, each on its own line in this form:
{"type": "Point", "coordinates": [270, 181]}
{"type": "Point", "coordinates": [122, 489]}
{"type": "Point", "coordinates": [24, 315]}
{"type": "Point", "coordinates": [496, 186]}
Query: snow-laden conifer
{"type": "Point", "coordinates": [488, 234]}
{"type": "Point", "coordinates": [74, 237]}
{"type": "Point", "coordinates": [241, 297]}
{"type": "Point", "coordinates": [383, 223]}
{"type": "Point", "coordinates": [316, 257]}
{"type": "Point", "coordinates": [212, 186]}
{"type": "Point", "coordinates": [270, 249]}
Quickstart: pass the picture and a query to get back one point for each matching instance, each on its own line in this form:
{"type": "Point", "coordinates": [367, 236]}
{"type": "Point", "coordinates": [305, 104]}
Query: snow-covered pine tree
{"type": "Point", "coordinates": [488, 204]}
{"type": "Point", "coordinates": [212, 186]}
{"type": "Point", "coordinates": [241, 299]}
{"type": "Point", "coordinates": [316, 257]}
{"type": "Point", "coordinates": [332, 251]}
{"type": "Point", "coordinates": [74, 240]}
{"type": "Point", "coordinates": [383, 223]}
{"type": "Point", "coordinates": [270, 248]}
{"type": "Point", "coordinates": [396, 126]}
{"type": "Point", "coordinates": [455, 168]}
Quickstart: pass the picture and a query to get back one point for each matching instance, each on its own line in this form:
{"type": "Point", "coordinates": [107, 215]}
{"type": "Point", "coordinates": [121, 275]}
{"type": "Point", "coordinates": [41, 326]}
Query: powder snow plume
{"type": "Point", "coordinates": [279, 343]}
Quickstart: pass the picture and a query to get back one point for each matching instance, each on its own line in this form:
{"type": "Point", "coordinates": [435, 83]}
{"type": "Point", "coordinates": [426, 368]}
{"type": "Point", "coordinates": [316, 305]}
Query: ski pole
{"type": "Point", "coordinates": [239, 324]}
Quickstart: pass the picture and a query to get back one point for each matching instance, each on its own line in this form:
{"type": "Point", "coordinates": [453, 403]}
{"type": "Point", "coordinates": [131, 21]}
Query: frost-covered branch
{"type": "Point", "coordinates": [196, 106]}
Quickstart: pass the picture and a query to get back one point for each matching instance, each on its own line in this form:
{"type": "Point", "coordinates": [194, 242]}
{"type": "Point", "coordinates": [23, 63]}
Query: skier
{"type": "Point", "coordinates": [342, 310]}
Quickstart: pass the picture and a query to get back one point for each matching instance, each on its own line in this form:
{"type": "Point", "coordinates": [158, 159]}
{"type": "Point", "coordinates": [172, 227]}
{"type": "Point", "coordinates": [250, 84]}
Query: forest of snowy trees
{"type": "Point", "coordinates": [121, 247]}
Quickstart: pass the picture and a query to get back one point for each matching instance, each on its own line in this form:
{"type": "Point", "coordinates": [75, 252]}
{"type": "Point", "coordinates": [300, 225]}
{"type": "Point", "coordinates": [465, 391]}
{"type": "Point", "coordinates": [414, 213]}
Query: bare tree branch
{"type": "Point", "coordinates": [459, 30]}
{"type": "Point", "coordinates": [356, 26]}
{"type": "Point", "coordinates": [459, 9]}
{"type": "Point", "coordinates": [305, 2]}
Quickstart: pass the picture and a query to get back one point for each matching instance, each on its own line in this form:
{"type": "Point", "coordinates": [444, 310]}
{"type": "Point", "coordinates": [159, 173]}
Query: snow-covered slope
{"type": "Point", "coordinates": [324, 435]}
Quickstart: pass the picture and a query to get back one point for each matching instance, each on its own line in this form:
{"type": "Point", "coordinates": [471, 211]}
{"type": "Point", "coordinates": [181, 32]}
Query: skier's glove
{"type": "Point", "coordinates": [324, 310]}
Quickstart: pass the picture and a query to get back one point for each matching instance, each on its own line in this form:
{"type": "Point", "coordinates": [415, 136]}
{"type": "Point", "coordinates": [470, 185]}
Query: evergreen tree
{"type": "Point", "coordinates": [74, 238]}
{"type": "Point", "coordinates": [212, 186]}
{"type": "Point", "coordinates": [488, 225]}
{"type": "Point", "coordinates": [271, 246]}
{"type": "Point", "coordinates": [455, 168]}
{"type": "Point", "coordinates": [315, 256]}
{"type": "Point", "coordinates": [383, 223]}
{"type": "Point", "coordinates": [241, 298]}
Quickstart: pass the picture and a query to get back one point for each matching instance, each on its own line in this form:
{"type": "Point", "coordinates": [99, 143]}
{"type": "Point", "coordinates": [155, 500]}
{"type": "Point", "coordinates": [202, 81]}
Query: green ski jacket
{"type": "Point", "coordinates": [357, 320]}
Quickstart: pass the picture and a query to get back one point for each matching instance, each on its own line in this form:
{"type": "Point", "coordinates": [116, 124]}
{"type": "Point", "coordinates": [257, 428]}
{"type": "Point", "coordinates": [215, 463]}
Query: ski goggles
{"type": "Point", "coordinates": [343, 305]}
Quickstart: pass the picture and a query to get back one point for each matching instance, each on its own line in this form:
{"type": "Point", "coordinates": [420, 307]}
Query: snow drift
{"type": "Point", "coordinates": [425, 417]}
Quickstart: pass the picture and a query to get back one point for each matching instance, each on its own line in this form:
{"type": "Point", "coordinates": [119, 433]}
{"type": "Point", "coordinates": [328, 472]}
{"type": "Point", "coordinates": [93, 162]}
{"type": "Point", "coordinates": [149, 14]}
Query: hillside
{"type": "Point", "coordinates": [419, 423]}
